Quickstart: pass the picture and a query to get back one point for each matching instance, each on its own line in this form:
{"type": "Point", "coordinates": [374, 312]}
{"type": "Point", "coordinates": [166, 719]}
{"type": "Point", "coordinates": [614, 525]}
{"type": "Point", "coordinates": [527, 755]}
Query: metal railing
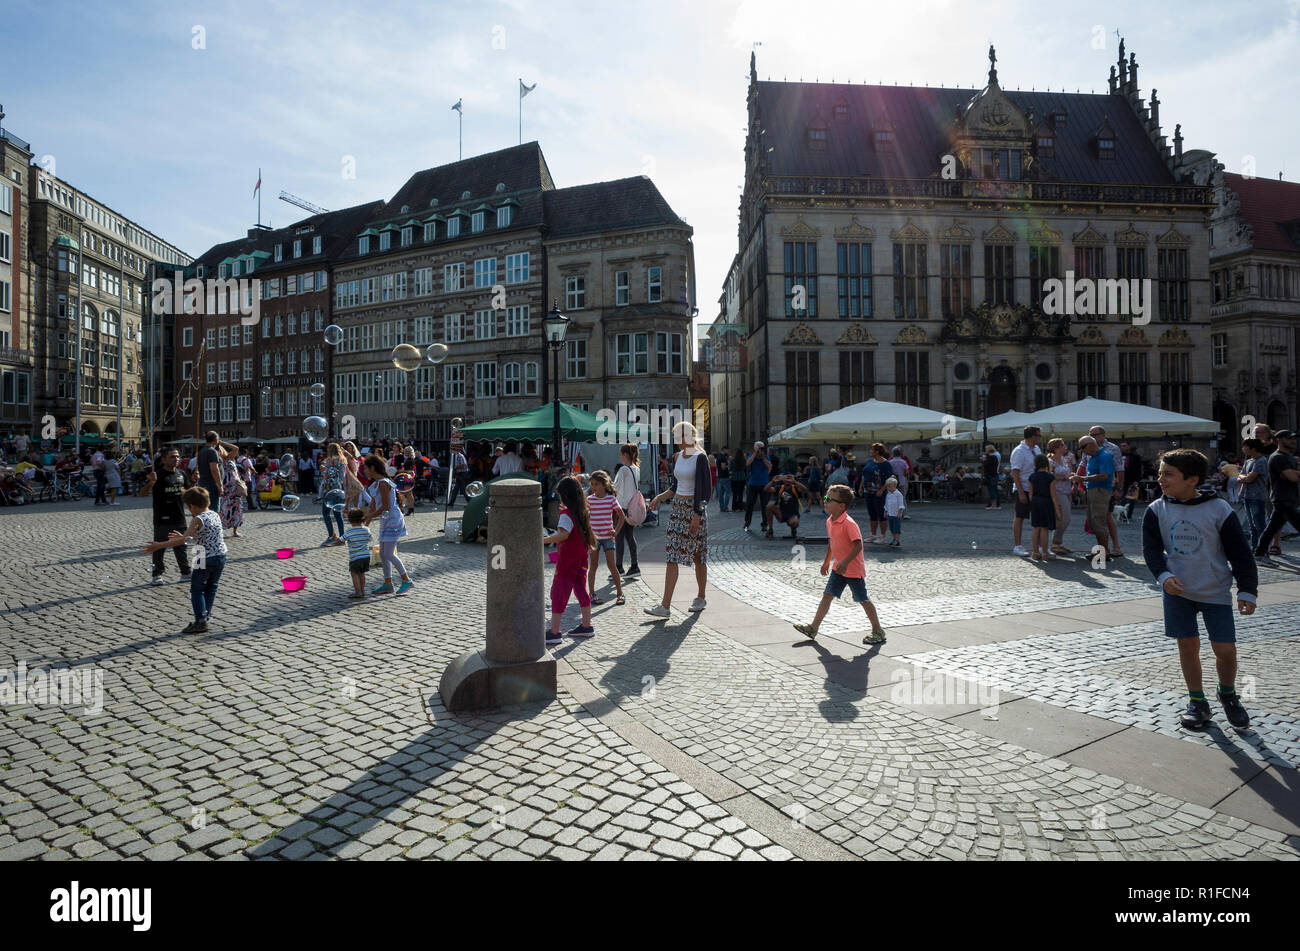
{"type": "Point", "coordinates": [988, 188]}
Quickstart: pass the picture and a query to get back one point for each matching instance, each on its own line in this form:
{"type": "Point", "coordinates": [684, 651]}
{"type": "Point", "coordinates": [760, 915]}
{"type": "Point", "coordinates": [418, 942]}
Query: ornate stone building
{"type": "Point", "coordinates": [1255, 309]}
{"type": "Point", "coordinates": [895, 241]}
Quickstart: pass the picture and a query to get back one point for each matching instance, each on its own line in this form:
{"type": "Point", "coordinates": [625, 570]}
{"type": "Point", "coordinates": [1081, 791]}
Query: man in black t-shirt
{"type": "Point", "coordinates": [1284, 489]}
{"type": "Point", "coordinates": [207, 469]}
{"type": "Point", "coordinates": [1132, 474]}
{"type": "Point", "coordinates": [166, 483]}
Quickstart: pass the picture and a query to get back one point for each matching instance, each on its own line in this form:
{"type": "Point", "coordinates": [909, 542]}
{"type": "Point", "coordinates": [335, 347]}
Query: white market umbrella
{"type": "Point", "coordinates": [1006, 425]}
{"type": "Point", "coordinates": [1120, 420]}
{"type": "Point", "coordinates": [870, 421]}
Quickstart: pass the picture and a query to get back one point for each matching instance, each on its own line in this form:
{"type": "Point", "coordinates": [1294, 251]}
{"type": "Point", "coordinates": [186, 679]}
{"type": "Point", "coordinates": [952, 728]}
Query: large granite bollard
{"type": "Point", "coordinates": [515, 666]}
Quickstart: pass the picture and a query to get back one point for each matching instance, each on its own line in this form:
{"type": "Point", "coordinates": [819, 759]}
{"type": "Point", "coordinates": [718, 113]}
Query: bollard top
{"type": "Point", "coordinates": [514, 492]}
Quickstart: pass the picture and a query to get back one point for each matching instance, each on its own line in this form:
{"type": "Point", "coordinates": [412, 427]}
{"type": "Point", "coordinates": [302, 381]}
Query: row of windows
{"type": "Point", "coordinates": [292, 284]}
{"type": "Point", "coordinates": [53, 190]}
{"type": "Point", "coordinates": [1276, 281]}
{"type": "Point", "coordinates": [575, 289]}
{"type": "Point", "coordinates": [233, 409]}
{"type": "Point", "coordinates": [429, 229]}
{"type": "Point", "coordinates": [911, 275]}
{"type": "Point", "coordinates": [388, 287]}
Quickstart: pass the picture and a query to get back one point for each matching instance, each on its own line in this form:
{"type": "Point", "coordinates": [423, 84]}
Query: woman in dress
{"type": "Point", "coordinates": [690, 487]}
{"type": "Point", "coordinates": [231, 509]}
{"type": "Point", "coordinates": [384, 505]}
{"type": "Point", "coordinates": [333, 469]}
{"type": "Point", "coordinates": [112, 477]}
{"type": "Point", "coordinates": [1061, 489]}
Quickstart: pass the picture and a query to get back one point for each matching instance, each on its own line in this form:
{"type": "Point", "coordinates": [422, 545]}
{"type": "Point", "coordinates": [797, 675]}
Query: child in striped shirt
{"type": "Point", "coordinates": [358, 539]}
{"type": "Point", "coordinates": [606, 522]}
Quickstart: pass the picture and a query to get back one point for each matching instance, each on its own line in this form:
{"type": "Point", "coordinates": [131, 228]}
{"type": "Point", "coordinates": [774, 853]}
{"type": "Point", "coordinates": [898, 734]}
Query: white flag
{"type": "Point", "coordinates": [525, 90]}
{"type": "Point", "coordinates": [457, 106]}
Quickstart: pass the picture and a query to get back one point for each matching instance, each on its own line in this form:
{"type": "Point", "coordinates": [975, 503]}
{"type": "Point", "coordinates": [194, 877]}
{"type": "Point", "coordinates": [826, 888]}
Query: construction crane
{"type": "Point", "coordinates": [295, 200]}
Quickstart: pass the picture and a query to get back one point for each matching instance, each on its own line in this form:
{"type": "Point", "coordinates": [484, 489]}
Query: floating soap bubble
{"type": "Point", "coordinates": [289, 501]}
{"type": "Point", "coordinates": [457, 422]}
{"type": "Point", "coordinates": [317, 390]}
{"type": "Point", "coordinates": [266, 392]}
{"type": "Point", "coordinates": [436, 352]}
{"type": "Point", "coordinates": [404, 481]}
{"type": "Point", "coordinates": [392, 471]}
{"type": "Point", "coordinates": [333, 335]}
{"type": "Point", "coordinates": [407, 357]}
{"type": "Point", "coordinates": [315, 428]}
{"type": "Point", "coordinates": [585, 480]}
{"type": "Point", "coordinates": [473, 490]}
{"type": "Point", "coordinates": [287, 461]}
{"type": "Point", "coordinates": [334, 500]}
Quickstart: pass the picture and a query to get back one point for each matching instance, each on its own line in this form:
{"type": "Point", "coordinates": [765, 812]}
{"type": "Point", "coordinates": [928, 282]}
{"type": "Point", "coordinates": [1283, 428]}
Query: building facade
{"type": "Point", "coordinates": [1255, 309]}
{"type": "Point", "coordinates": [17, 356]}
{"type": "Point", "coordinates": [895, 243]}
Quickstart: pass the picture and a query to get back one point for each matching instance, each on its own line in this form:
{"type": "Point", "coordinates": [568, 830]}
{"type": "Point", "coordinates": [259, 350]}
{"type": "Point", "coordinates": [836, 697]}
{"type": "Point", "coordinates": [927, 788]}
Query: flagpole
{"type": "Point", "coordinates": [460, 134]}
{"type": "Point", "coordinates": [521, 110]}
{"type": "Point", "coordinates": [259, 198]}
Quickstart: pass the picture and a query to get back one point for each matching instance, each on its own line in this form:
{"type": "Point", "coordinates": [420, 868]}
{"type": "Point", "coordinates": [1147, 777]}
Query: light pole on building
{"type": "Point", "coordinates": [984, 408]}
{"type": "Point", "coordinates": [556, 326]}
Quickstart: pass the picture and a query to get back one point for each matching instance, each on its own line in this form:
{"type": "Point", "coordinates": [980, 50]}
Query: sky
{"type": "Point", "coordinates": [166, 110]}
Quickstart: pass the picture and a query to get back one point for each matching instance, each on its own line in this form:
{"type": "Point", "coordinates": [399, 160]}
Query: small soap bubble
{"type": "Point", "coordinates": [289, 501]}
{"type": "Point", "coordinates": [315, 428]}
{"type": "Point", "coordinates": [436, 352]}
{"type": "Point", "coordinates": [287, 461]}
{"type": "Point", "coordinates": [317, 390]}
{"type": "Point", "coordinates": [333, 335]}
{"type": "Point", "coordinates": [457, 422]}
{"type": "Point", "coordinates": [473, 490]}
{"type": "Point", "coordinates": [334, 500]}
{"type": "Point", "coordinates": [973, 546]}
{"type": "Point", "coordinates": [266, 392]}
{"type": "Point", "coordinates": [407, 357]}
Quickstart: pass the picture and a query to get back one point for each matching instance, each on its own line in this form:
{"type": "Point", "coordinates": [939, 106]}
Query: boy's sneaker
{"type": "Point", "coordinates": [157, 579]}
{"type": "Point", "coordinates": [895, 544]}
{"type": "Point", "coordinates": [1236, 713]}
{"type": "Point", "coordinates": [1020, 550]}
{"type": "Point", "coordinates": [1197, 715]}
{"type": "Point", "coordinates": [875, 637]}
{"type": "Point", "coordinates": [582, 631]}
{"type": "Point", "coordinates": [807, 630]}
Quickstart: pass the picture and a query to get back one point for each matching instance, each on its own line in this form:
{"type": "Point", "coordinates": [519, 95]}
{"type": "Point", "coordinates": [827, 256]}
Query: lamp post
{"type": "Point", "coordinates": [984, 407]}
{"type": "Point", "coordinates": [556, 326]}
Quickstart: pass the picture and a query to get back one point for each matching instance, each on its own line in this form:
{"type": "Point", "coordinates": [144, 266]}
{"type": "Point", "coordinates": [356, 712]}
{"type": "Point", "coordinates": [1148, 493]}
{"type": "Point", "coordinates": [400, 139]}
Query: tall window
{"type": "Point", "coordinates": [801, 271]}
{"type": "Point", "coordinates": [853, 267]}
{"type": "Point", "coordinates": [912, 377]}
{"type": "Point", "coordinates": [668, 350]}
{"type": "Point", "coordinates": [1176, 382]}
{"type": "Point", "coordinates": [654, 284]}
{"type": "Point", "coordinates": [453, 277]}
{"type": "Point", "coordinates": [485, 380]}
{"type": "Point", "coordinates": [802, 390]}
{"type": "Point", "coordinates": [1131, 263]}
{"type": "Point", "coordinates": [622, 289]}
{"type": "Point", "coordinates": [1092, 374]}
{"type": "Point", "coordinates": [1133, 378]}
{"type": "Point", "coordinates": [1171, 270]}
{"type": "Point", "coordinates": [999, 274]}
{"type": "Point", "coordinates": [910, 273]}
{"type": "Point", "coordinates": [485, 272]}
{"type": "Point", "coordinates": [517, 268]}
{"type": "Point", "coordinates": [1044, 265]}
{"type": "Point", "coordinates": [1219, 350]}
{"type": "Point", "coordinates": [510, 380]}
{"type": "Point", "coordinates": [454, 381]}
{"type": "Point", "coordinates": [857, 376]}
{"type": "Point", "coordinates": [530, 378]}
{"type": "Point", "coordinates": [575, 359]}
{"type": "Point", "coordinates": [1089, 263]}
{"type": "Point", "coordinates": [485, 324]}
{"type": "Point", "coordinates": [476, 222]}
{"type": "Point", "coordinates": [518, 321]}
{"type": "Point", "coordinates": [423, 281]}
{"type": "Point", "coordinates": [504, 216]}
{"type": "Point", "coordinates": [575, 293]}
{"type": "Point", "coordinates": [954, 278]}
{"type": "Point", "coordinates": [963, 401]}
{"type": "Point", "coordinates": [453, 226]}
{"type": "Point", "coordinates": [631, 354]}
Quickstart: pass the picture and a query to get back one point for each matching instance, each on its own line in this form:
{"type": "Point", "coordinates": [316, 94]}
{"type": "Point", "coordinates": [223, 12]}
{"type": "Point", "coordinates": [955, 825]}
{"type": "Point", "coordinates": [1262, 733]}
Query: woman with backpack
{"type": "Point", "coordinates": [630, 500]}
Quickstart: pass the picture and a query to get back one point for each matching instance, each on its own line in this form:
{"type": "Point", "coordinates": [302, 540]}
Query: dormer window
{"type": "Point", "coordinates": [1105, 147]}
{"type": "Point", "coordinates": [363, 244]}
{"type": "Point", "coordinates": [1046, 145]}
{"type": "Point", "coordinates": [1058, 119]}
{"type": "Point", "coordinates": [385, 240]}
{"type": "Point", "coordinates": [817, 140]}
{"type": "Point", "coordinates": [841, 111]}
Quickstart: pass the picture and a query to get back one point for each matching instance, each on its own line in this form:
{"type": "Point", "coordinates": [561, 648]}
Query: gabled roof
{"type": "Point", "coordinates": [521, 168]}
{"type": "Point", "coordinates": [1271, 207]}
{"type": "Point", "coordinates": [333, 227]}
{"type": "Point", "coordinates": [607, 206]}
{"type": "Point", "coordinates": [923, 121]}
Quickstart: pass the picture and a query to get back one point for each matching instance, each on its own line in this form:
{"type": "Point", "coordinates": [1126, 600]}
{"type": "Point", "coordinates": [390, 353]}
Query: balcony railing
{"type": "Point", "coordinates": [10, 355]}
{"type": "Point", "coordinates": [975, 188]}
{"type": "Point", "coordinates": [6, 134]}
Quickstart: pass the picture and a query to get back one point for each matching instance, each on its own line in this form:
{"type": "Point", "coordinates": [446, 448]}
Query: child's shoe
{"type": "Point", "coordinates": [875, 637]}
{"type": "Point", "coordinates": [385, 588]}
{"type": "Point", "coordinates": [1197, 715]}
{"type": "Point", "coordinates": [807, 630]}
{"type": "Point", "coordinates": [1236, 713]}
{"type": "Point", "coordinates": [553, 638]}
{"type": "Point", "coordinates": [582, 631]}
{"type": "Point", "coordinates": [405, 586]}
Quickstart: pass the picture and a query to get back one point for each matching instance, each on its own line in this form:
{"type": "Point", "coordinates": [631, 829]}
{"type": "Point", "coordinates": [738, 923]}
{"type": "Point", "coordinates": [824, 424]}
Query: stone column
{"type": "Point", "coordinates": [515, 666]}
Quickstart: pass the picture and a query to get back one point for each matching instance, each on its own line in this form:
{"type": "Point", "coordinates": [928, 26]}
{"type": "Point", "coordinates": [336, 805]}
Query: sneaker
{"type": "Point", "coordinates": [873, 540]}
{"type": "Point", "coordinates": [747, 530]}
{"type": "Point", "coordinates": [875, 637]}
{"type": "Point", "coordinates": [185, 577]}
{"type": "Point", "coordinates": [553, 639]}
{"type": "Point", "coordinates": [634, 570]}
{"type": "Point", "coordinates": [807, 630]}
{"type": "Point", "coordinates": [582, 631]}
{"type": "Point", "coordinates": [1237, 714]}
{"type": "Point", "coordinates": [1020, 550]}
{"type": "Point", "coordinates": [327, 542]}
{"type": "Point", "coordinates": [404, 587]}
{"type": "Point", "coordinates": [895, 544]}
{"type": "Point", "coordinates": [1197, 715]}
{"type": "Point", "coordinates": [386, 588]}
{"type": "Point", "coordinates": [658, 611]}
{"type": "Point", "coordinates": [197, 627]}
{"type": "Point", "coordinates": [157, 579]}
{"type": "Point", "coordinates": [698, 604]}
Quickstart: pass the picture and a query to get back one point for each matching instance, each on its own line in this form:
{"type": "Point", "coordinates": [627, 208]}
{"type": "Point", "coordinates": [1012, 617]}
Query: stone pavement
{"type": "Point", "coordinates": [1017, 711]}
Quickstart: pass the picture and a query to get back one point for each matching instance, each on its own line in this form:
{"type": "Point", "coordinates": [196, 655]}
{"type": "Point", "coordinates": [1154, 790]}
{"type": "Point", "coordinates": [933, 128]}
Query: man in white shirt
{"type": "Point", "coordinates": [508, 461]}
{"type": "Point", "coordinates": [1022, 467]}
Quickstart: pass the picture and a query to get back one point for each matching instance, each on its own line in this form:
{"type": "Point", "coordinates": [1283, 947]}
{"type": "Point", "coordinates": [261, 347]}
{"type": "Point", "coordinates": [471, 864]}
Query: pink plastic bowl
{"type": "Point", "coordinates": [294, 584]}
{"type": "Point", "coordinates": [284, 553]}
{"type": "Point", "coordinates": [554, 556]}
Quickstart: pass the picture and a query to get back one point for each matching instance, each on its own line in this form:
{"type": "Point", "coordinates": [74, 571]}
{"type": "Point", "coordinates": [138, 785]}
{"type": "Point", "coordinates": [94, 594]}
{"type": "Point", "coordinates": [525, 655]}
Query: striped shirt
{"type": "Point", "coordinates": [602, 509]}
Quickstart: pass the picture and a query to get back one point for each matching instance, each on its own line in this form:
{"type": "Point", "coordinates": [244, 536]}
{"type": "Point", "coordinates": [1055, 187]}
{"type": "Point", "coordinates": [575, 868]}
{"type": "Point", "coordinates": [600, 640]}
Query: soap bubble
{"type": "Point", "coordinates": [437, 352]}
{"type": "Point", "coordinates": [333, 335]}
{"type": "Point", "coordinates": [585, 481]}
{"type": "Point", "coordinates": [457, 422]}
{"type": "Point", "coordinates": [289, 501]}
{"type": "Point", "coordinates": [392, 471]}
{"type": "Point", "coordinates": [404, 481]}
{"type": "Point", "coordinates": [473, 490]}
{"type": "Point", "coordinates": [407, 357]}
{"type": "Point", "coordinates": [266, 392]}
{"type": "Point", "coordinates": [316, 429]}
{"type": "Point", "coordinates": [287, 461]}
{"type": "Point", "coordinates": [317, 390]}
{"type": "Point", "coordinates": [334, 500]}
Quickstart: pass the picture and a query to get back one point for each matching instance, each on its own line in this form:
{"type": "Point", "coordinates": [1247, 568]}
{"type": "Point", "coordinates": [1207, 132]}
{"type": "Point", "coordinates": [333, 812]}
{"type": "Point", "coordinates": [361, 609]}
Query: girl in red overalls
{"type": "Point", "coordinates": [575, 538]}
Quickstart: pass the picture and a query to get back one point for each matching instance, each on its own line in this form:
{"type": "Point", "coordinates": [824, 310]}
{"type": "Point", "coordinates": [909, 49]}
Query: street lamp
{"type": "Point", "coordinates": [984, 407]}
{"type": "Point", "coordinates": [556, 326]}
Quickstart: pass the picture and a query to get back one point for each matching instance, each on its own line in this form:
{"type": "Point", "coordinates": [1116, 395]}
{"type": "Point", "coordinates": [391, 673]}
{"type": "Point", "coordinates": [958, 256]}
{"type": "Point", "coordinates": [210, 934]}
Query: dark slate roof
{"type": "Point", "coordinates": [607, 206]}
{"type": "Point", "coordinates": [923, 120]}
{"type": "Point", "coordinates": [1273, 209]}
{"type": "Point", "coordinates": [335, 227]}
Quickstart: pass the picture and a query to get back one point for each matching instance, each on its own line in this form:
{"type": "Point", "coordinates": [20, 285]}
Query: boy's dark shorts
{"type": "Point", "coordinates": [359, 566]}
{"type": "Point", "coordinates": [836, 583]}
{"type": "Point", "coordinates": [1180, 619]}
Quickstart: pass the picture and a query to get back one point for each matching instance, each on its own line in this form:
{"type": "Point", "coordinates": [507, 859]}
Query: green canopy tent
{"type": "Point", "coordinates": [86, 440]}
{"type": "Point", "coordinates": [538, 425]}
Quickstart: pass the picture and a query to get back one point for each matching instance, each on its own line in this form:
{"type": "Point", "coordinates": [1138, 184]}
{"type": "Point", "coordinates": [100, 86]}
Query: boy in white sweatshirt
{"type": "Point", "coordinates": [894, 505]}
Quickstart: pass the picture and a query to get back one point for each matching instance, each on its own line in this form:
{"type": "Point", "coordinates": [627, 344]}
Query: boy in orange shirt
{"type": "Point", "coordinates": [844, 563]}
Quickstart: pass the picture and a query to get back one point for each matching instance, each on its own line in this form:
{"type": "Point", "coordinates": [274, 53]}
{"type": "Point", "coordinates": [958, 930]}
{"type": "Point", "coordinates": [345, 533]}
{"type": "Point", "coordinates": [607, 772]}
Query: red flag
{"type": "Point", "coordinates": [259, 182]}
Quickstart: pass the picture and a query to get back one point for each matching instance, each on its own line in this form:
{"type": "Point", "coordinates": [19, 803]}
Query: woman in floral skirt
{"type": "Point", "coordinates": [690, 488]}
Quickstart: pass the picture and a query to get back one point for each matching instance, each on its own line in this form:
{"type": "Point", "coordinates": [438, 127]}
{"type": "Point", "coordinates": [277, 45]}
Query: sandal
{"type": "Point", "coordinates": [597, 600]}
{"type": "Point", "coordinates": [620, 600]}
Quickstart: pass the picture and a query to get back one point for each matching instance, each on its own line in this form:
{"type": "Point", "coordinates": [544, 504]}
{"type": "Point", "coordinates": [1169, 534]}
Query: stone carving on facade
{"type": "Point", "coordinates": [999, 235]}
{"type": "Point", "coordinates": [912, 334]}
{"type": "Point", "coordinates": [1089, 236]}
{"type": "Point", "coordinates": [857, 336]}
{"type": "Point", "coordinates": [1175, 337]}
{"type": "Point", "coordinates": [1131, 237]}
{"type": "Point", "coordinates": [955, 233]}
{"type": "Point", "coordinates": [1004, 321]}
{"type": "Point", "coordinates": [1044, 236]}
{"type": "Point", "coordinates": [910, 233]}
{"type": "Point", "coordinates": [1133, 337]}
{"type": "Point", "coordinates": [1092, 337]}
{"type": "Point", "coordinates": [800, 229]}
{"type": "Point", "coordinates": [801, 335]}
{"type": "Point", "coordinates": [1173, 238]}
{"type": "Point", "coordinates": [855, 229]}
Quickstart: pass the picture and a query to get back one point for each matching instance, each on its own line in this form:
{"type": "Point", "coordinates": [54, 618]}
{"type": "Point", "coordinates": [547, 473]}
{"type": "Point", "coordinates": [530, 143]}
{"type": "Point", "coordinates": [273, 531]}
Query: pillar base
{"type": "Point", "coordinates": [472, 682]}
